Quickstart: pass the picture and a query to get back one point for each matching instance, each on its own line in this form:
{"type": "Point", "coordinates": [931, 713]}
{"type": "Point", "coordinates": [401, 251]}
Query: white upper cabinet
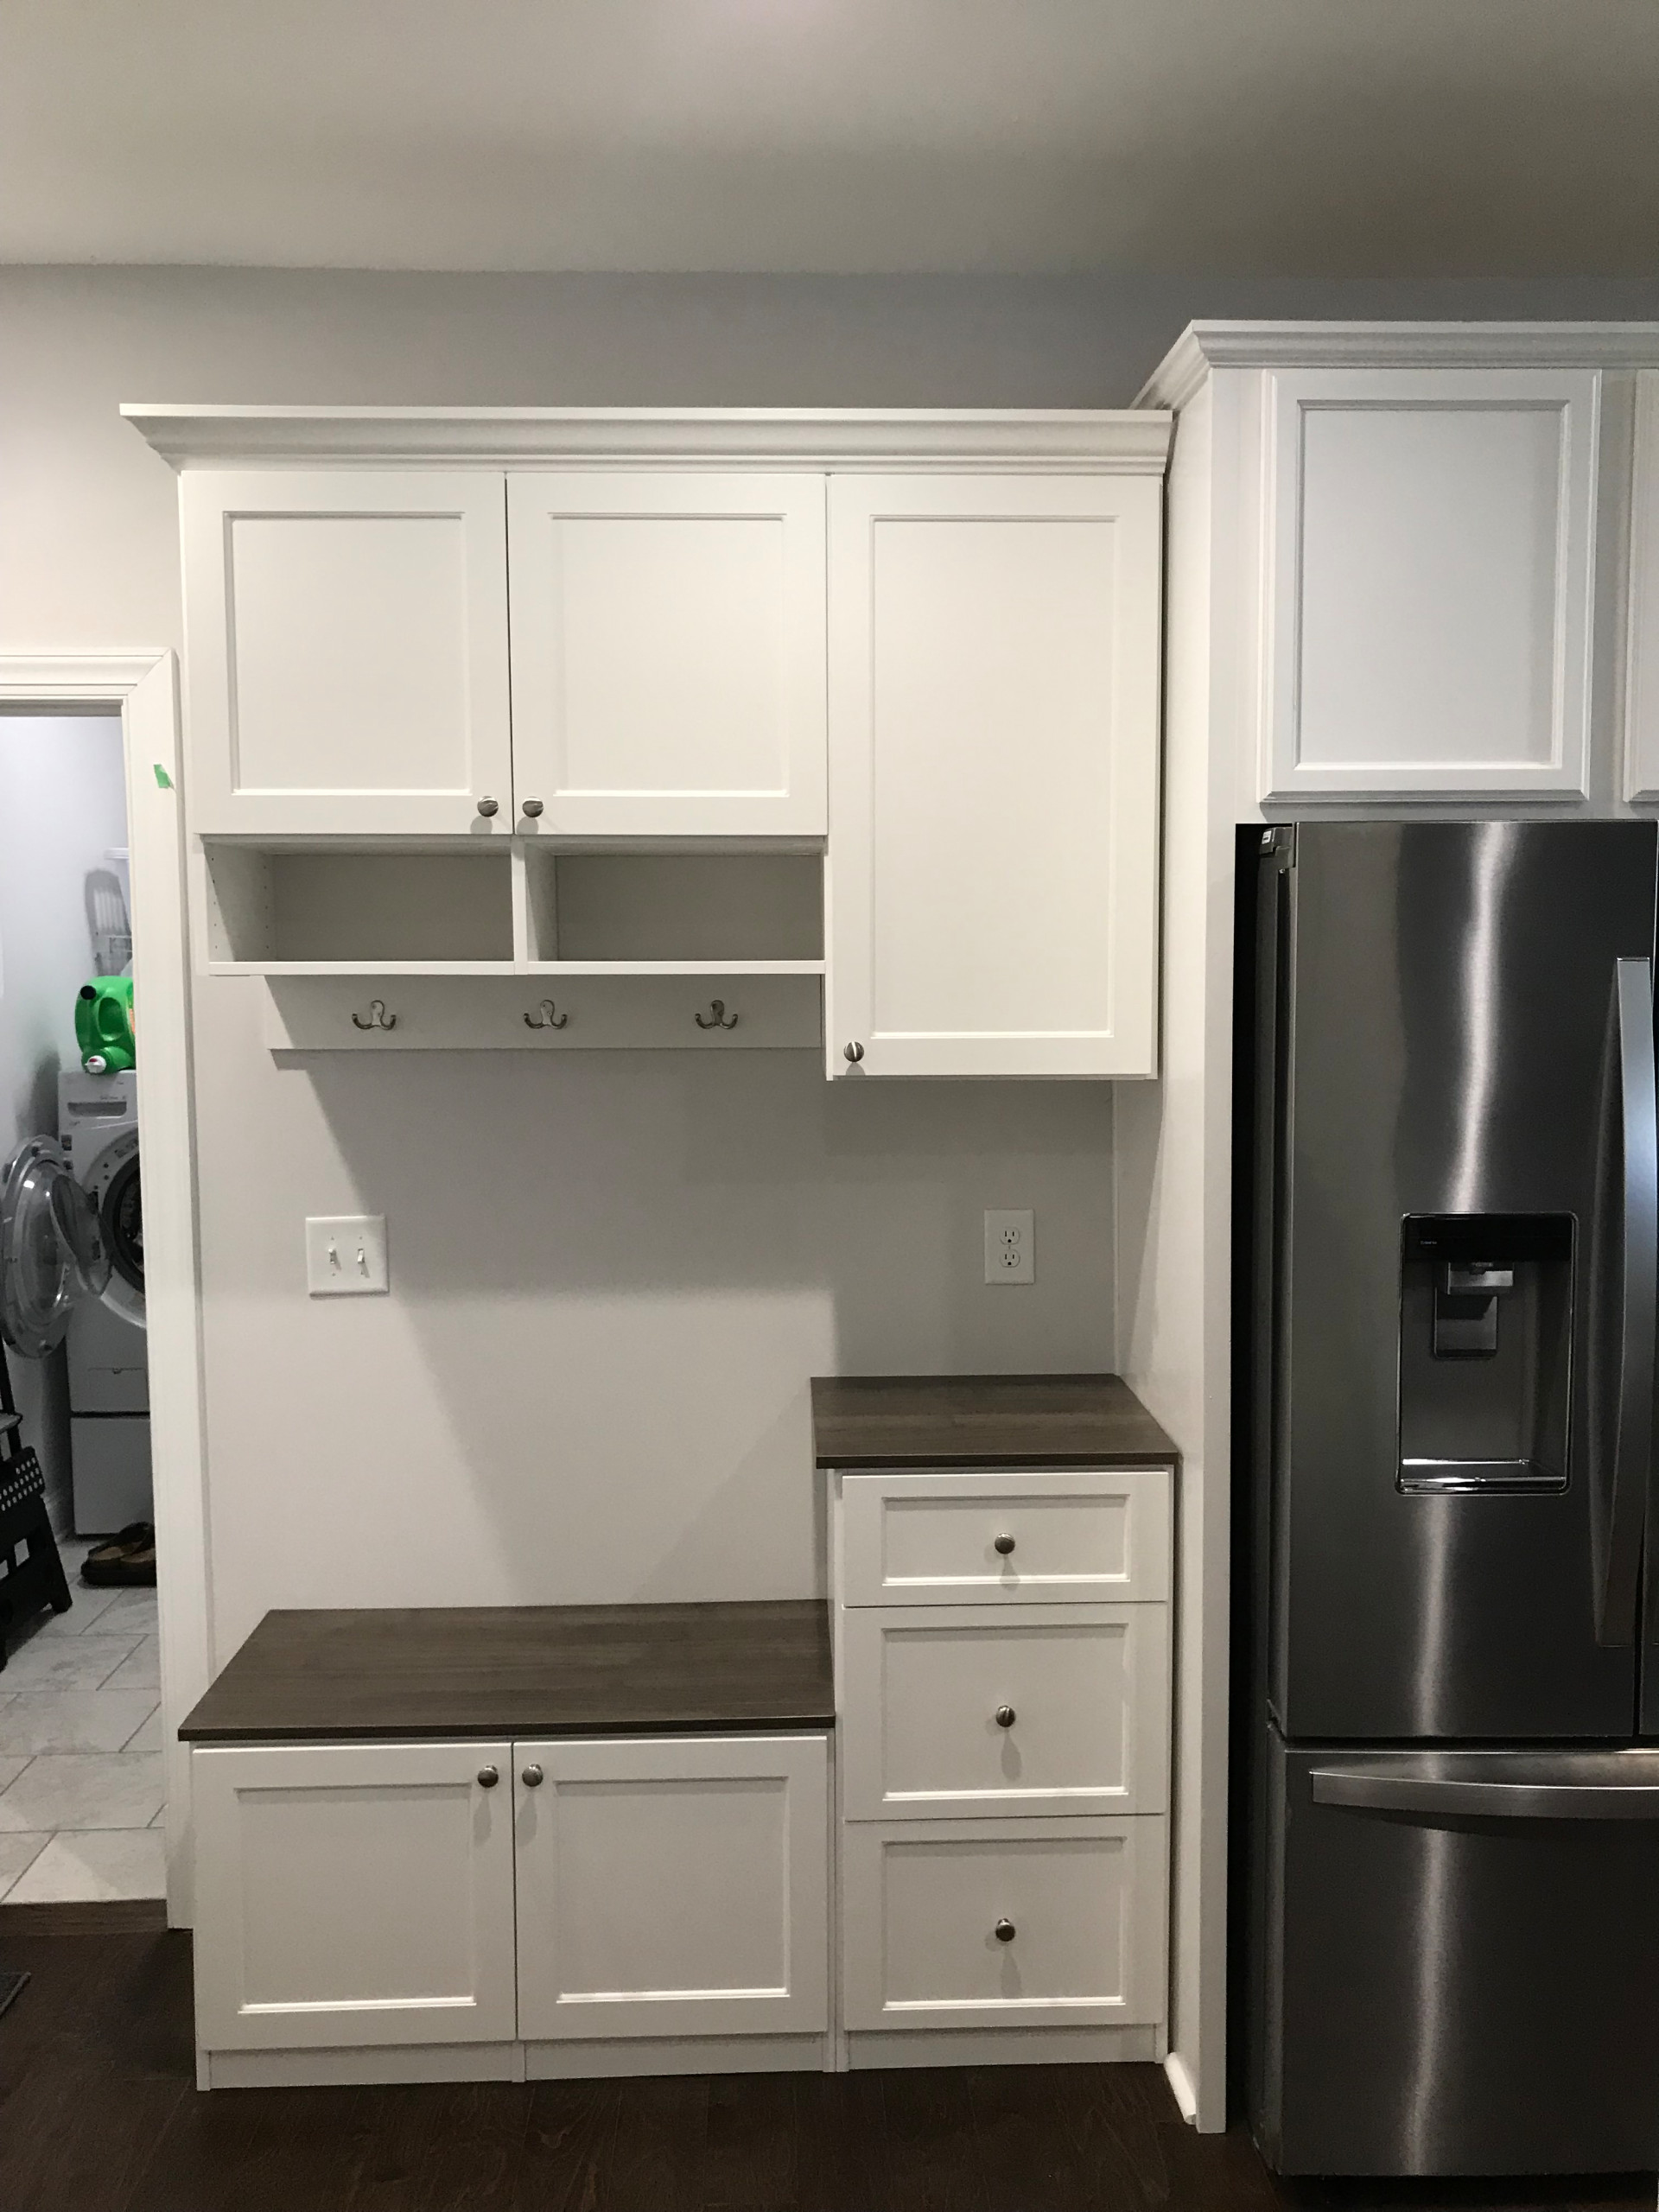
{"type": "Point", "coordinates": [993, 749]}
{"type": "Point", "coordinates": [1429, 557]}
{"type": "Point", "coordinates": [668, 652]}
{"type": "Point", "coordinates": [346, 651]}
{"type": "Point", "coordinates": [1641, 687]}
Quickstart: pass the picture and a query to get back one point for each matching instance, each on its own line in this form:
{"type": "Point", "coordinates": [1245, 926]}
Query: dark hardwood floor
{"type": "Point", "coordinates": [99, 2112]}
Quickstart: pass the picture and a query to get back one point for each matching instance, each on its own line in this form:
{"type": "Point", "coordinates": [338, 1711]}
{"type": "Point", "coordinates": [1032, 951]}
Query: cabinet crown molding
{"type": "Point", "coordinates": [1202, 347]}
{"type": "Point", "coordinates": [1122, 441]}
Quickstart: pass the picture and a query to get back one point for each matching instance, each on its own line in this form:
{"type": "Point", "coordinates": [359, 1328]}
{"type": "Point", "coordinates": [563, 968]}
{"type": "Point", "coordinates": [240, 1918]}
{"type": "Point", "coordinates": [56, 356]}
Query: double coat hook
{"type": "Point", "coordinates": [378, 1018]}
{"type": "Point", "coordinates": [547, 1016]}
{"type": "Point", "coordinates": [716, 1017]}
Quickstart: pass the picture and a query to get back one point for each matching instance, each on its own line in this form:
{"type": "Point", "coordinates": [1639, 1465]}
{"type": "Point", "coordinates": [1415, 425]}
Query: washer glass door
{"type": "Point", "coordinates": [53, 1252]}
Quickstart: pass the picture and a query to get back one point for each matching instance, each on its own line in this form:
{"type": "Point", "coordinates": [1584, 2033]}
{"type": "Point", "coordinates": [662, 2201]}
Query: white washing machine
{"type": "Point", "coordinates": [109, 1377]}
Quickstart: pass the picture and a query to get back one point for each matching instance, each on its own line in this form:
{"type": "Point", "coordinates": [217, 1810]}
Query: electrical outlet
{"type": "Point", "coordinates": [1010, 1246]}
{"type": "Point", "coordinates": [346, 1254]}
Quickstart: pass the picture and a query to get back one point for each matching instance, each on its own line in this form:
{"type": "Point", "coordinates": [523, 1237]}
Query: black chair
{"type": "Point", "coordinates": [31, 1573]}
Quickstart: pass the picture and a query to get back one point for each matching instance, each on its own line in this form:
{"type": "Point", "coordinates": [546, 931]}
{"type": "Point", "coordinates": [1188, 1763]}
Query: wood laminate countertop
{"type": "Point", "coordinates": [522, 1670]}
{"type": "Point", "coordinates": [983, 1421]}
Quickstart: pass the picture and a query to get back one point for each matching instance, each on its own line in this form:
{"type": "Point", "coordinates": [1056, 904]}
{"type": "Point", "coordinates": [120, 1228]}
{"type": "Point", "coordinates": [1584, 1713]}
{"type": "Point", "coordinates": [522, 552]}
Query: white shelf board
{"type": "Point", "coordinates": [712, 969]}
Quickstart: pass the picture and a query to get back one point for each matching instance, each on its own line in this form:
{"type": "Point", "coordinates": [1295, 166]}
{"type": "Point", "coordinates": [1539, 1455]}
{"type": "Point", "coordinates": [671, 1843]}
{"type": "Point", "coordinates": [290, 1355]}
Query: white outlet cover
{"type": "Point", "coordinates": [1010, 1245]}
{"type": "Point", "coordinates": [346, 1254]}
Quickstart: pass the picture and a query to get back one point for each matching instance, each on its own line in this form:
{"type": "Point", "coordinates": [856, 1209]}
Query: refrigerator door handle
{"type": "Point", "coordinates": [1544, 1790]}
{"type": "Point", "coordinates": [1629, 1206]}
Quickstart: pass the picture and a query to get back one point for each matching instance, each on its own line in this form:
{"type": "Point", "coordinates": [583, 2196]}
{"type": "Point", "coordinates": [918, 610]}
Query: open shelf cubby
{"type": "Point", "coordinates": [736, 912]}
{"type": "Point", "coordinates": [281, 909]}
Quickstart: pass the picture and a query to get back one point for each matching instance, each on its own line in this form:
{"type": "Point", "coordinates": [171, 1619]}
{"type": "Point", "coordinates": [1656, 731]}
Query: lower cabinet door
{"type": "Point", "coordinates": [354, 1894]}
{"type": "Point", "coordinates": [673, 1886]}
{"type": "Point", "coordinates": [996, 1923]}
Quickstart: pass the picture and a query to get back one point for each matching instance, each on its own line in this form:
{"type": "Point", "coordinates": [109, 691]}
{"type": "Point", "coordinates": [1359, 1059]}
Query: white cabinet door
{"type": "Point", "coordinates": [347, 650]}
{"type": "Point", "coordinates": [668, 652]}
{"type": "Point", "coordinates": [953, 1710]}
{"type": "Point", "coordinates": [1642, 685]}
{"type": "Point", "coordinates": [1002, 1924]}
{"type": "Point", "coordinates": [1012, 1537]}
{"type": "Point", "coordinates": [673, 1886]}
{"type": "Point", "coordinates": [994, 749]}
{"type": "Point", "coordinates": [1431, 537]}
{"type": "Point", "coordinates": [352, 1894]}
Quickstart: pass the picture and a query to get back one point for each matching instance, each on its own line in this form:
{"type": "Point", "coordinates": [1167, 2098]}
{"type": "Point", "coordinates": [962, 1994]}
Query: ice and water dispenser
{"type": "Point", "coordinates": [1485, 1351]}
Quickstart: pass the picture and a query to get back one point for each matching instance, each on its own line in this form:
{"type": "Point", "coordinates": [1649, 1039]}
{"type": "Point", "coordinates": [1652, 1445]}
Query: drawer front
{"type": "Point", "coordinates": [1082, 1904]}
{"type": "Point", "coordinates": [1057, 1709]}
{"type": "Point", "coordinates": [952, 1539]}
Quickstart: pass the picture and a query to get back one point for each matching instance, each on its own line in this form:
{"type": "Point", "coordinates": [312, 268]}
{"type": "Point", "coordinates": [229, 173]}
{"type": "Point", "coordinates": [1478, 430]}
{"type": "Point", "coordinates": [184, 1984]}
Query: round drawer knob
{"type": "Point", "coordinates": [1004, 1716]}
{"type": "Point", "coordinates": [852, 1053]}
{"type": "Point", "coordinates": [1004, 1543]}
{"type": "Point", "coordinates": [532, 1777]}
{"type": "Point", "coordinates": [488, 806]}
{"type": "Point", "coordinates": [1004, 1931]}
{"type": "Point", "coordinates": [532, 808]}
{"type": "Point", "coordinates": [488, 1776]}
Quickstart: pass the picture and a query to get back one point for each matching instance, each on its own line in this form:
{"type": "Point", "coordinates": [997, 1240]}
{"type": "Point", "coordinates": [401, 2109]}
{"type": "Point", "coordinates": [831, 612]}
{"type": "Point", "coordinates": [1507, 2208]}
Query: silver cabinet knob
{"type": "Point", "coordinates": [1004, 1716]}
{"type": "Point", "coordinates": [532, 807]}
{"type": "Point", "coordinates": [488, 1776]}
{"type": "Point", "coordinates": [532, 1777]}
{"type": "Point", "coordinates": [1004, 1931]}
{"type": "Point", "coordinates": [853, 1053]}
{"type": "Point", "coordinates": [489, 806]}
{"type": "Point", "coordinates": [1004, 1543]}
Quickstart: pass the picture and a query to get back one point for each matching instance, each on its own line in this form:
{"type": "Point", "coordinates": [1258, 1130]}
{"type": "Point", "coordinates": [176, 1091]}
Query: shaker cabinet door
{"type": "Point", "coordinates": [346, 651]}
{"type": "Point", "coordinates": [668, 652]}
{"type": "Point", "coordinates": [994, 746]}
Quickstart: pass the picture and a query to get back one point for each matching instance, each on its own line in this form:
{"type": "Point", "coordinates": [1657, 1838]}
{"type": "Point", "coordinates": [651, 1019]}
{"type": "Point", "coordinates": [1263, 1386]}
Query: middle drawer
{"type": "Point", "coordinates": [947, 1711]}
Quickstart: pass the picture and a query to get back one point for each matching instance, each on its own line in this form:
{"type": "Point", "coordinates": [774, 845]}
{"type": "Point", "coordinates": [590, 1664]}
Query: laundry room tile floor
{"type": "Point", "coordinates": [81, 1785]}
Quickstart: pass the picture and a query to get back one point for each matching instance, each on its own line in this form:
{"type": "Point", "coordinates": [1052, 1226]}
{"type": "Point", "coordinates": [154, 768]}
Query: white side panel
{"type": "Point", "coordinates": [352, 1894]}
{"type": "Point", "coordinates": [668, 651]}
{"type": "Point", "coordinates": [994, 684]}
{"type": "Point", "coordinates": [348, 651]}
{"type": "Point", "coordinates": [1084, 1900]}
{"type": "Point", "coordinates": [938, 1539]}
{"type": "Point", "coordinates": [1642, 681]}
{"type": "Point", "coordinates": [1055, 1709]}
{"type": "Point", "coordinates": [673, 1886]}
{"type": "Point", "coordinates": [1430, 570]}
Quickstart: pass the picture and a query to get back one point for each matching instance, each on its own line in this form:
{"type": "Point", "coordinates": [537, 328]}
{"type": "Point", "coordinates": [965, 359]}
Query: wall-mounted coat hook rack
{"type": "Point", "coordinates": [378, 1018]}
{"type": "Point", "coordinates": [546, 1016]}
{"type": "Point", "coordinates": [716, 1017]}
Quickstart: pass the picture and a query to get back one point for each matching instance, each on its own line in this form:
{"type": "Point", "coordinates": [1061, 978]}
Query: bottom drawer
{"type": "Point", "coordinates": [983, 1924]}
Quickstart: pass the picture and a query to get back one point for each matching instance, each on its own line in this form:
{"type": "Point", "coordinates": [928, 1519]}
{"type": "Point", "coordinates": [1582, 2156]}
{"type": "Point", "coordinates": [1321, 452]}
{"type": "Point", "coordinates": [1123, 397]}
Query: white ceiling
{"type": "Point", "coordinates": [1309, 137]}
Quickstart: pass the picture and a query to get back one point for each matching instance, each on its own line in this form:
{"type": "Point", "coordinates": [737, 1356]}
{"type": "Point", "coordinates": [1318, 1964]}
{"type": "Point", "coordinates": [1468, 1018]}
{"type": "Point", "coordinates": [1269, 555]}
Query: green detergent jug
{"type": "Point", "coordinates": [104, 1024]}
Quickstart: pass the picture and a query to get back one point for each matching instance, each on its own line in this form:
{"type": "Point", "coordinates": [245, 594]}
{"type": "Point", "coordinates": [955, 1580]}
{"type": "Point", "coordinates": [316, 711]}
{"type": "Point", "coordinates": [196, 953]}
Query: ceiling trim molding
{"type": "Point", "coordinates": [1134, 441]}
{"type": "Point", "coordinates": [70, 678]}
{"type": "Point", "coordinates": [1202, 347]}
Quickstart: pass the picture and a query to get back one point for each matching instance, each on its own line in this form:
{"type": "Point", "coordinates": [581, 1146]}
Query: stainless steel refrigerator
{"type": "Point", "coordinates": [1451, 1520]}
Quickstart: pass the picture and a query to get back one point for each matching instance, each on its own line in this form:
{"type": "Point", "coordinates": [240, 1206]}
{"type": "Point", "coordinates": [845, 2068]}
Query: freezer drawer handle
{"type": "Point", "coordinates": [1513, 1797]}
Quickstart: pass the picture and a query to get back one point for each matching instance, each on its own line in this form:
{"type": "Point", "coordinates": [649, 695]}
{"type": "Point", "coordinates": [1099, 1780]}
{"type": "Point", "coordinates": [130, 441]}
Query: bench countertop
{"type": "Point", "coordinates": [524, 1671]}
{"type": "Point", "coordinates": [983, 1421]}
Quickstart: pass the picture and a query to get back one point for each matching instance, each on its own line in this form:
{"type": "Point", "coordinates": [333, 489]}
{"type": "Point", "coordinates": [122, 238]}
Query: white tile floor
{"type": "Point", "coordinates": [81, 1751]}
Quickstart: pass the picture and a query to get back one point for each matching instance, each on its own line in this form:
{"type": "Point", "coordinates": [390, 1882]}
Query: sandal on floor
{"type": "Point", "coordinates": [125, 1561]}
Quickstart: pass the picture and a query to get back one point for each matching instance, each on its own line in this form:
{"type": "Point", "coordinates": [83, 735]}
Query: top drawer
{"type": "Point", "coordinates": [954, 1538]}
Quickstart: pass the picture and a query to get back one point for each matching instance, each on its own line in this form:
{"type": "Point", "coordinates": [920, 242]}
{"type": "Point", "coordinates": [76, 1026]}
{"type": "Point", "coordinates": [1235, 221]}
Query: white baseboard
{"type": "Point", "coordinates": [1001, 2046]}
{"type": "Point", "coordinates": [1181, 2082]}
{"type": "Point", "coordinates": [292, 2070]}
{"type": "Point", "coordinates": [615, 2057]}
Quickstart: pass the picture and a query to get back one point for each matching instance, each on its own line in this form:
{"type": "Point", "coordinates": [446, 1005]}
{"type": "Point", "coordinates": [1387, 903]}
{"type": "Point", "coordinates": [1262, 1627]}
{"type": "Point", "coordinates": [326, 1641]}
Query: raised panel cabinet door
{"type": "Point", "coordinates": [1429, 575]}
{"type": "Point", "coordinates": [352, 1894]}
{"type": "Point", "coordinates": [668, 651]}
{"type": "Point", "coordinates": [1642, 679]}
{"type": "Point", "coordinates": [673, 1886]}
{"type": "Point", "coordinates": [1004, 1923]}
{"type": "Point", "coordinates": [346, 652]}
{"type": "Point", "coordinates": [1008, 1537]}
{"type": "Point", "coordinates": [993, 747]}
{"type": "Point", "coordinates": [955, 1710]}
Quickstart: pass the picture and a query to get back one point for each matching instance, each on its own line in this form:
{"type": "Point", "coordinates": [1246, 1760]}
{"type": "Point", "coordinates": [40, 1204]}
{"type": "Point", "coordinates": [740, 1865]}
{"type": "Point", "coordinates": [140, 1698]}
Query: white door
{"type": "Point", "coordinates": [957, 1710]}
{"type": "Point", "coordinates": [993, 745]}
{"type": "Point", "coordinates": [1003, 1923]}
{"type": "Point", "coordinates": [352, 1894]}
{"type": "Point", "coordinates": [673, 1886]}
{"type": "Point", "coordinates": [668, 652]}
{"type": "Point", "coordinates": [1431, 537]}
{"type": "Point", "coordinates": [346, 651]}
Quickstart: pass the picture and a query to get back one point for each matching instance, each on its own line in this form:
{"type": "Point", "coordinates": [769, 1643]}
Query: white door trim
{"type": "Point", "coordinates": [145, 688]}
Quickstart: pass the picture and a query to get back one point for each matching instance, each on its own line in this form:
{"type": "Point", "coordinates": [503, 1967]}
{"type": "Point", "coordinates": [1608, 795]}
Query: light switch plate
{"type": "Point", "coordinates": [346, 1254]}
{"type": "Point", "coordinates": [1010, 1246]}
